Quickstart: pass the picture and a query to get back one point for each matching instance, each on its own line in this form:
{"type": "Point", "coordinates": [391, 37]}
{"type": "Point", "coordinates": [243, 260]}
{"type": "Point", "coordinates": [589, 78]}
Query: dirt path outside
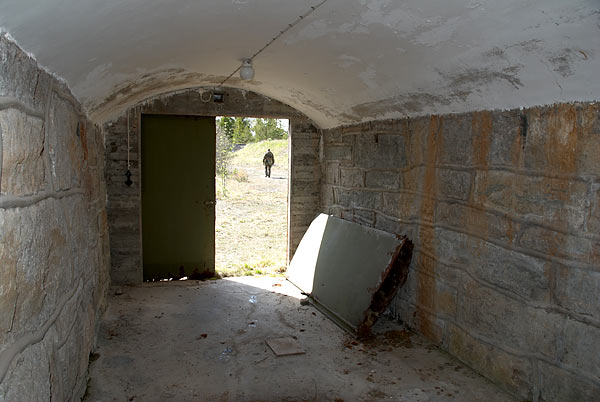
{"type": "Point", "coordinates": [251, 216]}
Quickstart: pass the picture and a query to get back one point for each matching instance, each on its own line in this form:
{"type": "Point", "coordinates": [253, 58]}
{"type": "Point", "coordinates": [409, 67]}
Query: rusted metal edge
{"type": "Point", "coordinates": [392, 279]}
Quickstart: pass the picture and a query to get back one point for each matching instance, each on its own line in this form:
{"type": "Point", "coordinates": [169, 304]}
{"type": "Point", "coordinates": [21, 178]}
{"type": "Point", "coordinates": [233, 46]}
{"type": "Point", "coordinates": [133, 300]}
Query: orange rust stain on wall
{"type": "Point", "coordinates": [476, 220]}
{"type": "Point", "coordinates": [560, 136]}
{"type": "Point", "coordinates": [561, 144]}
{"type": "Point", "coordinates": [518, 145]}
{"type": "Point", "coordinates": [588, 121]}
{"type": "Point", "coordinates": [481, 127]}
{"type": "Point", "coordinates": [411, 150]}
{"type": "Point", "coordinates": [426, 284]}
{"type": "Point", "coordinates": [560, 151]}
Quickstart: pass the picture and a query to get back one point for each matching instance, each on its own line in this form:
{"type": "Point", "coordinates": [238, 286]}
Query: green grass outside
{"type": "Point", "coordinates": [251, 221]}
{"type": "Point", "coordinates": [253, 152]}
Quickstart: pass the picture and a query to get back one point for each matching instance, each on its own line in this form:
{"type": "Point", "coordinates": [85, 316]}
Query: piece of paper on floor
{"type": "Point", "coordinates": [285, 346]}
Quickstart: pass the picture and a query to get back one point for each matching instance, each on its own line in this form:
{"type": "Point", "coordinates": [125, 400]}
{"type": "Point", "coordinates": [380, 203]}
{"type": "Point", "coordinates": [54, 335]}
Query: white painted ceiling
{"type": "Point", "coordinates": [349, 61]}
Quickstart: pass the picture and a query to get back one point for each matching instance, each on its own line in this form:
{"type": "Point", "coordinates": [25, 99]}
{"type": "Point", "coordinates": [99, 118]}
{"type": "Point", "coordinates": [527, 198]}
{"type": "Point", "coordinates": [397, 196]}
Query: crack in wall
{"type": "Point", "coordinates": [8, 355]}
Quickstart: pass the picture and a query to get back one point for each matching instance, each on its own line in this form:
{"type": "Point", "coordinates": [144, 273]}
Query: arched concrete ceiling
{"type": "Point", "coordinates": [349, 61]}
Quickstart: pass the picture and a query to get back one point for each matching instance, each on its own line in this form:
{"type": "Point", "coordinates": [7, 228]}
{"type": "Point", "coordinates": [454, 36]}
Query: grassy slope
{"type": "Point", "coordinates": [251, 225]}
{"type": "Point", "coordinates": [253, 152]}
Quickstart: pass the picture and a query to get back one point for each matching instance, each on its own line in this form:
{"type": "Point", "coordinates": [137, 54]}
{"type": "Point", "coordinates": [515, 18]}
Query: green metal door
{"type": "Point", "coordinates": [178, 196]}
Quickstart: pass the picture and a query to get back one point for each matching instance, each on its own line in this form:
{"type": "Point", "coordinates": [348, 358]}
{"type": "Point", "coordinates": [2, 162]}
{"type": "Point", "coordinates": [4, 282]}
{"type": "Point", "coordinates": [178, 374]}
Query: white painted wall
{"type": "Point", "coordinates": [350, 60]}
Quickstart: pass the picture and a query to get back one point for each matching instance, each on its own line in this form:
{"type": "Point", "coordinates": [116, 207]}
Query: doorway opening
{"type": "Point", "coordinates": [251, 211]}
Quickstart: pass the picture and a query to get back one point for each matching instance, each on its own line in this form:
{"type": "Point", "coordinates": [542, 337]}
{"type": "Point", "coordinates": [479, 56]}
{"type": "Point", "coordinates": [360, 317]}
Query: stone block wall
{"type": "Point", "coordinates": [54, 257]}
{"type": "Point", "coordinates": [504, 211]}
{"type": "Point", "coordinates": [124, 203]}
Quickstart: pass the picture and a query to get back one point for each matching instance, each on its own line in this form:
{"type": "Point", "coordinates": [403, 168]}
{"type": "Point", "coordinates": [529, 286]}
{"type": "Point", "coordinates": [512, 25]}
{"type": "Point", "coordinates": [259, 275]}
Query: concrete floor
{"type": "Point", "coordinates": [205, 341]}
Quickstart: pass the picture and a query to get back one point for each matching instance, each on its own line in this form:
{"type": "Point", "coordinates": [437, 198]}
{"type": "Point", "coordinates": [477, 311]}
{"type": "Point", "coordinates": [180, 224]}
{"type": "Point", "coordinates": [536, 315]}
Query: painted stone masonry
{"type": "Point", "coordinates": [504, 211]}
{"type": "Point", "coordinates": [124, 203]}
{"type": "Point", "coordinates": [54, 256]}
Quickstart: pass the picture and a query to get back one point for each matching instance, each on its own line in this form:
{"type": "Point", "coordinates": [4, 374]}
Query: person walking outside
{"type": "Point", "coordinates": [268, 161]}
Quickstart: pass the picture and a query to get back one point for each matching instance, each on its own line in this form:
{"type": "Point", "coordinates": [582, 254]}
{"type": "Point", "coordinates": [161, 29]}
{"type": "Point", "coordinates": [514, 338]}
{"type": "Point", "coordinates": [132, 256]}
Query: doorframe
{"type": "Point", "coordinates": [304, 185]}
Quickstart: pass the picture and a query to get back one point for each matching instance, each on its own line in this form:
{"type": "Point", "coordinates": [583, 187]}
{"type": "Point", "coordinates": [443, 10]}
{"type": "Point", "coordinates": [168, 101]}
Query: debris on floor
{"type": "Point", "coordinates": [350, 272]}
{"type": "Point", "coordinates": [157, 360]}
{"type": "Point", "coordinates": [398, 338]}
{"type": "Point", "coordinates": [285, 346]}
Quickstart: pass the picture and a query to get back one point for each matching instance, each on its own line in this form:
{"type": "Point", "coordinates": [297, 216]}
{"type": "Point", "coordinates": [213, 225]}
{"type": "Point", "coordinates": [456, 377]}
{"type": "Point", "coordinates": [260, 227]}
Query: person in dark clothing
{"type": "Point", "coordinates": [268, 161]}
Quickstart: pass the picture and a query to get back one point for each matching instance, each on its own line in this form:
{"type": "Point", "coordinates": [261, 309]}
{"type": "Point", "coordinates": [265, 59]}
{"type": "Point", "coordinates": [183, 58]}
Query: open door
{"type": "Point", "coordinates": [178, 196]}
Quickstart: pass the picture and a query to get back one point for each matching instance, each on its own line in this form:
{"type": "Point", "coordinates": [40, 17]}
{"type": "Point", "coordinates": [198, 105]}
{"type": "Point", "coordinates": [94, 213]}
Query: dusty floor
{"type": "Point", "coordinates": [205, 341]}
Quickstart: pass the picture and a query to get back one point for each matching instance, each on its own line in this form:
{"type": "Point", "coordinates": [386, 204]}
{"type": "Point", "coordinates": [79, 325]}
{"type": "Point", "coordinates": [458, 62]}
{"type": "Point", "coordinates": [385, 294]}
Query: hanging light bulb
{"type": "Point", "coordinates": [247, 71]}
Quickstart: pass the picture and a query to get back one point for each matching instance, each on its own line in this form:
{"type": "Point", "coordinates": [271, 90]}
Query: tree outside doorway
{"type": "Point", "coordinates": [251, 210]}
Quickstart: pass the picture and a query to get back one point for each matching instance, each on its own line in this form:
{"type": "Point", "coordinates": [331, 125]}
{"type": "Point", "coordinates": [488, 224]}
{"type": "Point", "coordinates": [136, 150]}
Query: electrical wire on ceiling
{"type": "Point", "coordinates": [281, 33]}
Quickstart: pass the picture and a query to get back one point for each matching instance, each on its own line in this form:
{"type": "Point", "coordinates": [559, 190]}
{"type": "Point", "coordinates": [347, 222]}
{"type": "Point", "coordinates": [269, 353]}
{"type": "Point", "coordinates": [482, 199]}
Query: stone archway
{"type": "Point", "coordinates": [124, 203]}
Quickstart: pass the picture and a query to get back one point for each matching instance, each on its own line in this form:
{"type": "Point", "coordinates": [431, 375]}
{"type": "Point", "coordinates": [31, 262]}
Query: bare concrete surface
{"type": "Point", "coordinates": [348, 61]}
{"type": "Point", "coordinates": [206, 341]}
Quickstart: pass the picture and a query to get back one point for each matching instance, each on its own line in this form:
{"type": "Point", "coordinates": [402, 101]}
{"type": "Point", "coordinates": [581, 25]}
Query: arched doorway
{"type": "Point", "coordinates": [122, 145]}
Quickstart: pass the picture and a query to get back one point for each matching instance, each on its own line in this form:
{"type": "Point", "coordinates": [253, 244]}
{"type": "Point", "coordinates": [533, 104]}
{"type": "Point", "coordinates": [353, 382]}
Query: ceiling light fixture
{"type": "Point", "coordinates": [247, 64]}
{"type": "Point", "coordinates": [246, 70]}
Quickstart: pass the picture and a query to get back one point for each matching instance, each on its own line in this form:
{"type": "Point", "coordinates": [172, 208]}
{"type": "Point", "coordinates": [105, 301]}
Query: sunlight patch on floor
{"type": "Point", "coordinates": [272, 284]}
